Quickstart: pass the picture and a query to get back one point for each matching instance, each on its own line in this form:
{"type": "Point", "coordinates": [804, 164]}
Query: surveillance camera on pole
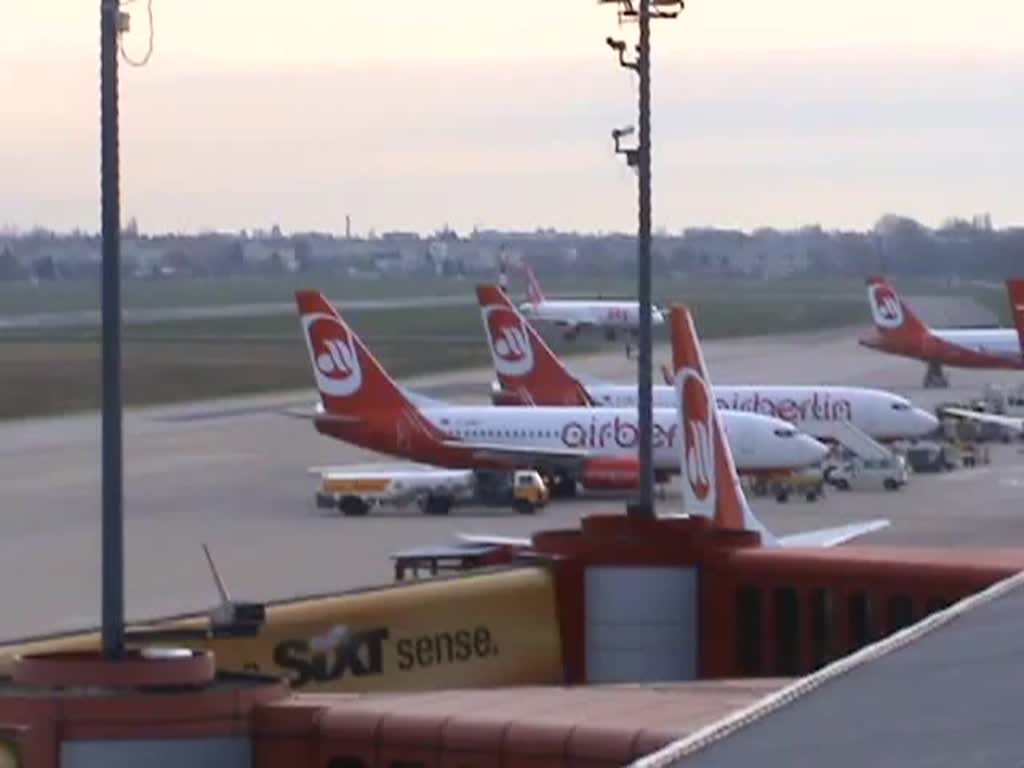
{"type": "Point", "coordinates": [632, 153]}
{"type": "Point", "coordinates": [619, 46]}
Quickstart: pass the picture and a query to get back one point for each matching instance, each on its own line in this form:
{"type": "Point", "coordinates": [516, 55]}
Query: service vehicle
{"type": "Point", "coordinates": [860, 473]}
{"type": "Point", "coordinates": [355, 492]}
{"type": "Point", "coordinates": [809, 483]}
{"type": "Point", "coordinates": [932, 456]}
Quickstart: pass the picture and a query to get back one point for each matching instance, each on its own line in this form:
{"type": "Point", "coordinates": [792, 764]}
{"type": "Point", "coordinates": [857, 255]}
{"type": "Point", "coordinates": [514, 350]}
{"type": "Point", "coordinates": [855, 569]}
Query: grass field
{"type": "Point", "coordinates": [20, 298]}
{"type": "Point", "coordinates": [51, 372]}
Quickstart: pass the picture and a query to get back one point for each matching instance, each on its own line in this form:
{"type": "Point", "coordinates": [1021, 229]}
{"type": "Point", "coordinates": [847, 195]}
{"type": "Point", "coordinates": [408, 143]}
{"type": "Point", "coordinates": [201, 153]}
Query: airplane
{"type": "Point", "coordinates": [899, 331]}
{"type": "Point", "coordinates": [362, 405]}
{"type": "Point", "coordinates": [529, 373]}
{"type": "Point", "coordinates": [711, 486]}
{"type": "Point", "coordinates": [576, 314]}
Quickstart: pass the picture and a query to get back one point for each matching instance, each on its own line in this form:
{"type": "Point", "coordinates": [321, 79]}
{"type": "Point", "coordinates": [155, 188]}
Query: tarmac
{"type": "Point", "coordinates": [232, 474]}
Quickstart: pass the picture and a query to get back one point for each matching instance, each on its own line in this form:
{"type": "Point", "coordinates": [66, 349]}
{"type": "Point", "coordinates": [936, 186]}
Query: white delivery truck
{"type": "Point", "coordinates": [354, 492]}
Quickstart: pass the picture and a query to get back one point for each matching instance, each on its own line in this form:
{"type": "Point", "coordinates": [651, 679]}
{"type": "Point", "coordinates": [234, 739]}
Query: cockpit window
{"type": "Point", "coordinates": [901, 406]}
{"type": "Point", "coordinates": [785, 432]}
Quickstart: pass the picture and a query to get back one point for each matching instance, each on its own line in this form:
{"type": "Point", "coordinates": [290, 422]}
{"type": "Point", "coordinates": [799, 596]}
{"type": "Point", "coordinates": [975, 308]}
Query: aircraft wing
{"type": "Point", "coordinates": [831, 537]}
{"type": "Point", "coordinates": [318, 415]}
{"type": "Point", "coordinates": [1010, 422]}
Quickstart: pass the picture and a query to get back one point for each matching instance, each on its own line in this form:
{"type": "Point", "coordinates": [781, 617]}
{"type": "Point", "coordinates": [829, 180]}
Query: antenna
{"type": "Point", "coordinates": [225, 596]}
{"type": "Point", "coordinates": [227, 619]}
{"type": "Point", "coordinates": [231, 617]}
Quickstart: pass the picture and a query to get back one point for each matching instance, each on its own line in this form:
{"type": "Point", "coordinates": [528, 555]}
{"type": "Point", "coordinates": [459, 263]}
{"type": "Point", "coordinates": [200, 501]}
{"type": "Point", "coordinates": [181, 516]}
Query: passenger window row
{"type": "Point", "coordinates": [513, 433]}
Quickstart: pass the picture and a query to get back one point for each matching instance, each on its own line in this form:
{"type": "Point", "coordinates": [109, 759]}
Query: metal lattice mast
{"type": "Point", "coordinates": [113, 518]}
{"type": "Point", "coordinates": [640, 158]}
{"type": "Point", "coordinates": [643, 265]}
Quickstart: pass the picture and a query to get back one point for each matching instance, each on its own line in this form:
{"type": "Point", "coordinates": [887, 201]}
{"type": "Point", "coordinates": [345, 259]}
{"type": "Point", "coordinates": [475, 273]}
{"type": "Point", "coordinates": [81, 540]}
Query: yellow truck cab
{"type": "Point", "coordinates": [529, 491]}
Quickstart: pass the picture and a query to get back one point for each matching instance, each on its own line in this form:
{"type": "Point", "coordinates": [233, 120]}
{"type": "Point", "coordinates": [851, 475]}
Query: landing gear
{"type": "Point", "coordinates": [353, 506]}
{"type": "Point", "coordinates": [935, 377]}
{"type": "Point", "coordinates": [631, 341]}
{"type": "Point", "coordinates": [437, 505]}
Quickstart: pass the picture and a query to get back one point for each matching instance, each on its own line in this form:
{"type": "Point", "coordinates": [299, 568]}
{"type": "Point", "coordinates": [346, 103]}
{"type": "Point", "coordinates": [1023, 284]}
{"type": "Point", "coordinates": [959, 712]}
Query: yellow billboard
{"type": "Point", "coordinates": [481, 630]}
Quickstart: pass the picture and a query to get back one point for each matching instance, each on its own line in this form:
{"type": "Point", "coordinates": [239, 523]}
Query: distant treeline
{"type": "Point", "coordinates": [896, 245]}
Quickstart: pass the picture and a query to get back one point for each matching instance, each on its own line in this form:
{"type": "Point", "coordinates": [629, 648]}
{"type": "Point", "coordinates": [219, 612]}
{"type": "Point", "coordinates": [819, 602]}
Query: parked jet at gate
{"type": "Point", "coordinates": [899, 331]}
{"type": "Point", "coordinates": [576, 314]}
{"type": "Point", "coordinates": [529, 372]}
{"type": "Point", "coordinates": [361, 404]}
{"type": "Point", "coordinates": [710, 484]}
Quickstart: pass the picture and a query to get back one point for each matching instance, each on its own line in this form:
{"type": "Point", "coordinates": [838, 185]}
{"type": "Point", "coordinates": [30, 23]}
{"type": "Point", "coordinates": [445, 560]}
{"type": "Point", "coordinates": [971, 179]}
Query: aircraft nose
{"type": "Point", "coordinates": [812, 450]}
{"type": "Point", "coordinates": [926, 422]}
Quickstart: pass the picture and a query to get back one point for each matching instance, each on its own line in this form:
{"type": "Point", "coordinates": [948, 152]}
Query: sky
{"type": "Point", "coordinates": [411, 116]}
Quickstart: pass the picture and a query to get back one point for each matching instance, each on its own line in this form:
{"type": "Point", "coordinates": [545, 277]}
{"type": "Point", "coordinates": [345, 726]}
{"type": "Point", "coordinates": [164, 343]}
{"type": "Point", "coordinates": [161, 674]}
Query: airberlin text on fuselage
{"type": "Point", "coordinates": [600, 433]}
{"type": "Point", "coordinates": [819, 407]}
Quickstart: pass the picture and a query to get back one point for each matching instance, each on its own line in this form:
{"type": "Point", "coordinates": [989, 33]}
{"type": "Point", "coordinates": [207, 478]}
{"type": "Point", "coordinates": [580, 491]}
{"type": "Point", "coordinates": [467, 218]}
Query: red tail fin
{"type": "Point", "coordinates": [533, 291]}
{"type": "Point", "coordinates": [350, 380]}
{"type": "Point", "coordinates": [1015, 288]}
{"type": "Point", "coordinates": [894, 319]}
{"type": "Point", "coordinates": [524, 363]}
{"type": "Point", "coordinates": [710, 484]}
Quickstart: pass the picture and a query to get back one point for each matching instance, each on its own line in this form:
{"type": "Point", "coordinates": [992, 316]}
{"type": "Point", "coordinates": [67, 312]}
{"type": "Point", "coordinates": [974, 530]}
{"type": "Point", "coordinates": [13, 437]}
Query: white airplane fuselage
{"type": "Point", "coordinates": [620, 315]}
{"type": "Point", "coordinates": [760, 443]}
{"type": "Point", "coordinates": [812, 409]}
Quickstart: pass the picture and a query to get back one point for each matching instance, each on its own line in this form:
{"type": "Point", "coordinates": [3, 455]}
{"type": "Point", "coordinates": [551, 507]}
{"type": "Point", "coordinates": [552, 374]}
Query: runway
{"type": "Point", "coordinates": [232, 474]}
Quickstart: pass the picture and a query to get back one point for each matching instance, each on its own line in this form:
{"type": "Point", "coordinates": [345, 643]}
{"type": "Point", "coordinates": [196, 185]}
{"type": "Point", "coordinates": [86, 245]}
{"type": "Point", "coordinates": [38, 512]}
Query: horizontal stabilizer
{"type": "Point", "coordinates": [587, 380]}
{"type": "Point", "coordinates": [831, 537]}
{"type": "Point", "coordinates": [494, 540]}
{"type": "Point", "coordinates": [475, 550]}
{"type": "Point", "coordinates": [315, 415]}
{"type": "Point", "coordinates": [423, 401]}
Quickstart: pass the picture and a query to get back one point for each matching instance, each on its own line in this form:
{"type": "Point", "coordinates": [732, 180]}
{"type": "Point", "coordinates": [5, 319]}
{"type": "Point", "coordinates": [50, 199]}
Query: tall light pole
{"type": "Point", "coordinates": [643, 266]}
{"type": "Point", "coordinates": [641, 158]}
{"type": "Point", "coordinates": [113, 517]}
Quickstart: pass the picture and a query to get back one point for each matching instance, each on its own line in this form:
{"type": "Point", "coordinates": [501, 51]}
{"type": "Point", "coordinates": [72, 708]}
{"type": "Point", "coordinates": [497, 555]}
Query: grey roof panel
{"type": "Point", "coordinates": [952, 697]}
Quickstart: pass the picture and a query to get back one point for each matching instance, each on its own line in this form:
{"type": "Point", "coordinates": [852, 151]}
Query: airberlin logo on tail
{"type": "Point", "coordinates": [698, 436]}
{"type": "Point", "coordinates": [509, 340]}
{"type": "Point", "coordinates": [331, 348]}
{"type": "Point", "coordinates": [885, 306]}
